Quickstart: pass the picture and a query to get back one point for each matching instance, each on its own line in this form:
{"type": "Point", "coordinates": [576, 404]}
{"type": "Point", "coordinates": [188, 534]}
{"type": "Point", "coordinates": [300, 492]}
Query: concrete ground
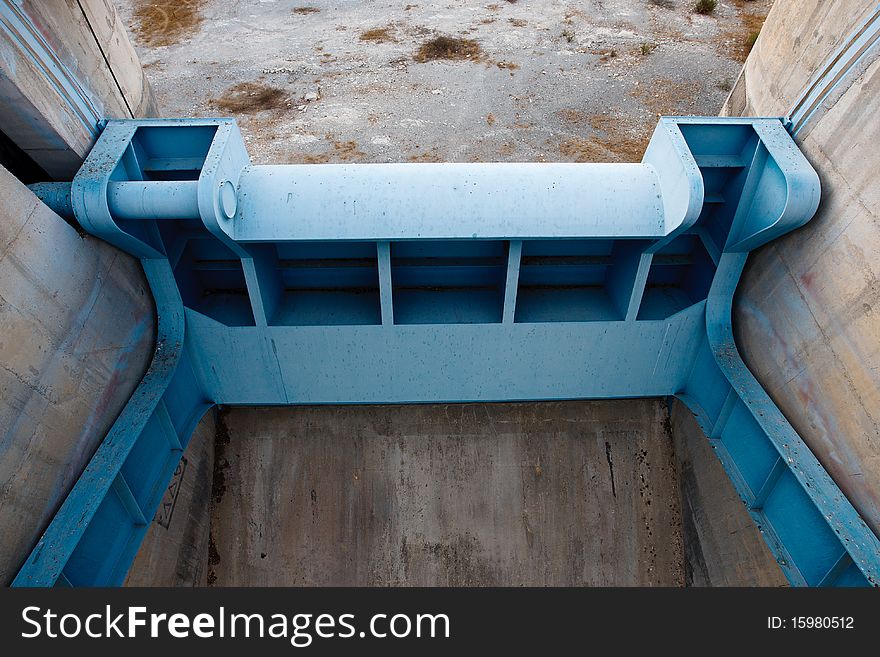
{"type": "Point", "coordinates": [554, 493]}
{"type": "Point", "coordinates": [550, 80]}
{"type": "Point", "coordinates": [549, 494]}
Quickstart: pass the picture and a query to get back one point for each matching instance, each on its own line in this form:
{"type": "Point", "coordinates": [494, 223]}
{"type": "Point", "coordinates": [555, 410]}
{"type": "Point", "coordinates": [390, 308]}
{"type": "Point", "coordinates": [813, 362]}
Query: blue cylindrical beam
{"type": "Point", "coordinates": [56, 195]}
{"type": "Point", "coordinates": [140, 199]}
{"type": "Point", "coordinates": [177, 199]}
{"type": "Point", "coordinates": [405, 201]}
{"type": "Point", "coordinates": [447, 201]}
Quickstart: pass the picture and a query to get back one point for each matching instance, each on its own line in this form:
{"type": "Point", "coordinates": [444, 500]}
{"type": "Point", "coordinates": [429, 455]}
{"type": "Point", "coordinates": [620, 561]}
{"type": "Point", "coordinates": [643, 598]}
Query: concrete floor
{"type": "Point", "coordinates": [556, 80]}
{"type": "Point", "coordinates": [566, 493]}
{"type": "Point", "coordinates": [562, 494]}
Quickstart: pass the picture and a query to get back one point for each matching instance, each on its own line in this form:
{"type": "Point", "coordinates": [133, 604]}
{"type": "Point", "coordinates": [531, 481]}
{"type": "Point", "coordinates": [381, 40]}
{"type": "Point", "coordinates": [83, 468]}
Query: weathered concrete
{"type": "Point", "coordinates": [90, 58]}
{"type": "Point", "coordinates": [722, 545]}
{"type": "Point", "coordinates": [175, 549]}
{"type": "Point", "coordinates": [572, 493]}
{"type": "Point", "coordinates": [808, 313]}
{"type": "Point", "coordinates": [76, 334]}
{"type": "Point", "coordinates": [482, 494]}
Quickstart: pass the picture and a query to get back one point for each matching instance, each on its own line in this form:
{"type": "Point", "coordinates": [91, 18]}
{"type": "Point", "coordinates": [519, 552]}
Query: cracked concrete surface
{"type": "Point", "coordinates": [578, 493]}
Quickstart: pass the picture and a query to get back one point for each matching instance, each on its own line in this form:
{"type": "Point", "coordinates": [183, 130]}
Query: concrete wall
{"type": "Point", "coordinates": [69, 64]}
{"type": "Point", "coordinates": [76, 317]}
{"type": "Point", "coordinates": [76, 334]}
{"type": "Point", "coordinates": [808, 311]}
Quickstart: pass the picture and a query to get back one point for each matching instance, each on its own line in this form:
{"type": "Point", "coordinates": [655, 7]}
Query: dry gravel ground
{"type": "Point", "coordinates": [361, 81]}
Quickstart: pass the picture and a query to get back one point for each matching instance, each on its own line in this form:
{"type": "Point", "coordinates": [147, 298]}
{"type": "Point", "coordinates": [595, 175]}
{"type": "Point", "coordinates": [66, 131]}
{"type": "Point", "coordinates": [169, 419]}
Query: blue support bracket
{"type": "Point", "coordinates": [393, 283]}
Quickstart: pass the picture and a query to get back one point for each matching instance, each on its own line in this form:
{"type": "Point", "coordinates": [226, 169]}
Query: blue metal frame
{"type": "Point", "coordinates": [443, 283]}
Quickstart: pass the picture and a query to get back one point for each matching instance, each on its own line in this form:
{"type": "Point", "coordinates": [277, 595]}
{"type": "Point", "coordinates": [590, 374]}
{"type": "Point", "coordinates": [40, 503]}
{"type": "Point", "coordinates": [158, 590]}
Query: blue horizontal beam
{"type": "Point", "coordinates": [417, 363]}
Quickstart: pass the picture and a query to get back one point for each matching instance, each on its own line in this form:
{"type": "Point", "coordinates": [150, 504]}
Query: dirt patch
{"type": "Point", "coordinates": [737, 43]}
{"type": "Point", "coordinates": [604, 55]}
{"type": "Point", "coordinates": [624, 142]}
{"type": "Point", "coordinates": [429, 156]}
{"type": "Point", "coordinates": [250, 98]}
{"type": "Point", "coordinates": [666, 97]}
{"type": "Point", "coordinates": [449, 48]}
{"type": "Point", "coordinates": [580, 149]}
{"type": "Point", "coordinates": [507, 149]}
{"type": "Point", "coordinates": [517, 22]}
{"type": "Point", "coordinates": [340, 151]}
{"type": "Point", "coordinates": [611, 141]}
{"type": "Point", "coordinates": [603, 123]}
{"type": "Point", "coordinates": [573, 116]}
{"type": "Point", "coordinates": [346, 151]}
{"type": "Point", "coordinates": [165, 22]}
{"type": "Point", "coordinates": [625, 148]}
{"type": "Point", "coordinates": [378, 35]}
{"type": "Point", "coordinates": [321, 158]}
{"type": "Point", "coordinates": [306, 10]}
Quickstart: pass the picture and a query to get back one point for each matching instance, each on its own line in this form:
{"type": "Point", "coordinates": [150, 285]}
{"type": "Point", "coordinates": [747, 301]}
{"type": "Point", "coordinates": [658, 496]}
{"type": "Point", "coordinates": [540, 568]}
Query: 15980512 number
{"type": "Point", "coordinates": [822, 622]}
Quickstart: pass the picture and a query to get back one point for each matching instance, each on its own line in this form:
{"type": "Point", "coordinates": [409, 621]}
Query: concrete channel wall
{"type": "Point", "coordinates": [76, 335]}
{"type": "Point", "coordinates": [77, 321]}
{"type": "Point", "coordinates": [64, 65]}
{"type": "Point", "coordinates": [808, 311]}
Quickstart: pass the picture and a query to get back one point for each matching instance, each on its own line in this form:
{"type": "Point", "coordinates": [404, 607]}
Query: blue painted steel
{"type": "Point", "coordinates": [440, 283]}
{"type": "Point", "coordinates": [96, 533]}
{"type": "Point", "coordinates": [371, 202]}
{"type": "Point", "coordinates": [132, 199]}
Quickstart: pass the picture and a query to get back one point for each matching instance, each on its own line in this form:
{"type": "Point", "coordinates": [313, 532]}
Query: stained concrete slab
{"type": "Point", "coordinates": [568, 493]}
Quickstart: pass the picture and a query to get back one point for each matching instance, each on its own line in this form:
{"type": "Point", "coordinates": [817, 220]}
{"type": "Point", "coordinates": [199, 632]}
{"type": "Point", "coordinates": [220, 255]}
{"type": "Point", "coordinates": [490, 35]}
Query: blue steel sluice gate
{"type": "Point", "coordinates": [417, 283]}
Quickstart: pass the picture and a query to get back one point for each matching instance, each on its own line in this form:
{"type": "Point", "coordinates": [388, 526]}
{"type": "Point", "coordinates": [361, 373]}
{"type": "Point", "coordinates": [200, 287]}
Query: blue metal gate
{"type": "Point", "coordinates": [391, 283]}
